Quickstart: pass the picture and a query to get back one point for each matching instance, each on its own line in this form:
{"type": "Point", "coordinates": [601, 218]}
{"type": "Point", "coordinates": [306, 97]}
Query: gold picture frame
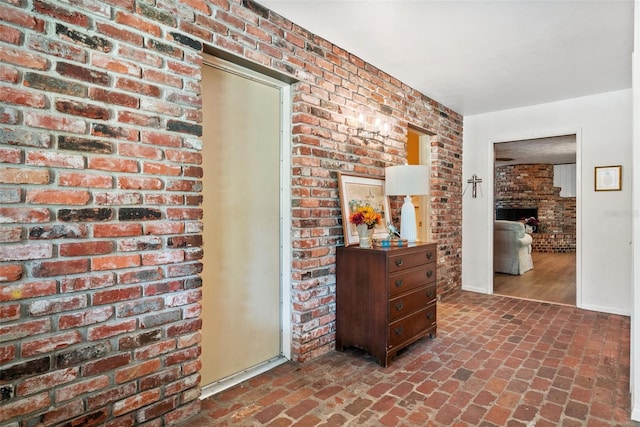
{"type": "Point", "coordinates": [608, 178]}
{"type": "Point", "coordinates": [360, 189]}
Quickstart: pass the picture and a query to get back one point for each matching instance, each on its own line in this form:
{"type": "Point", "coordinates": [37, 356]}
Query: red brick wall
{"type": "Point", "coordinates": [100, 219]}
{"type": "Point", "coordinates": [554, 242]}
{"type": "Point", "coordinates": [531, 186]}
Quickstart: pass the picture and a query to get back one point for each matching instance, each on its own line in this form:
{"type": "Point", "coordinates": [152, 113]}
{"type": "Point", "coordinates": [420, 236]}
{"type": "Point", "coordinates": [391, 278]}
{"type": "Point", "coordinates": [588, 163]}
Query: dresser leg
{"type": "Point", "coordinates": [385, 361]}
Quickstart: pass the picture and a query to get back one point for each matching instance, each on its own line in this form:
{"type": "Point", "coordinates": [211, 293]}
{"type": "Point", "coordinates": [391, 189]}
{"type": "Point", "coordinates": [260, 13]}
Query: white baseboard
{"type": "Point", "coordinates": [475, 289]}
{"type": "Point", "coordinates": [235, 379]}
{"type": "Point", "coordinates": [605, 309]}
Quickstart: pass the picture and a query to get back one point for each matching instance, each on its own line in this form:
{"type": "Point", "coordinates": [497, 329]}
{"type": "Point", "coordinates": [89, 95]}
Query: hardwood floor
{"type": "Point", "coordinates": [553, 279]}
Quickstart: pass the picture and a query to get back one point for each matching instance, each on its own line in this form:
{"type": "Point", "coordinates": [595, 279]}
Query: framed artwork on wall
{"type": "Point", "coordinates": [608, 178]}
{"type": "Point", "coordinates": [358, 190]}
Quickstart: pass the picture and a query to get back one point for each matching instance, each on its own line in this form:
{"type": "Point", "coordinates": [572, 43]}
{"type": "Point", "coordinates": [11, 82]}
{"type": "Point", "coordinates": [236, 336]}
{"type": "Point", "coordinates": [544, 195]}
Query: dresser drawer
{"type": "Point", "coordinates": [408, 303]}
{"type": "Point", "coordinates": [412, 259]}
{"type": "Point", "coordinates": [407, 280]}
{"type": "Point", "coordinates": [408, 328]}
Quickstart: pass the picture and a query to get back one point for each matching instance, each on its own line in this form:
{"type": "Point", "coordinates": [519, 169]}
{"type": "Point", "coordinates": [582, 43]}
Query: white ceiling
{"type": "Point", "coordinates": [556, 150]}
{"type": "Point", "coordinates": [481, 56]}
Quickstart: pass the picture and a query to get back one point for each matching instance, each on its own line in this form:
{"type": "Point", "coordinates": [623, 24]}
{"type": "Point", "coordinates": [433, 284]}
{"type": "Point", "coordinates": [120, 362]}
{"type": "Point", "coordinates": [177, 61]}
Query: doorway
{"type": "Point", "coordinates": [539, 177]}
{"type": "Point", "coordinates": [246, 238]}
{"type": "Point", "coordinates": [419, 153]}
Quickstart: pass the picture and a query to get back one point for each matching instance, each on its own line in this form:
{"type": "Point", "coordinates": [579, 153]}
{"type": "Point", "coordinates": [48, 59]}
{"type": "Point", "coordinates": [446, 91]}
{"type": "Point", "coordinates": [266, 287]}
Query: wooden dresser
{"type": "Point", "coordinates": [385, 298]}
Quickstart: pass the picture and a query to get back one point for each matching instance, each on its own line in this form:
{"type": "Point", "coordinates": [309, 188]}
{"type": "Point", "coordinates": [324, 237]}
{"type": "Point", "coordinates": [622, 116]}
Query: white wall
{"type": "Point", "coordinates": [564, 176]}
{"type": "Point", "coordinates": [635, 321]}
{"type": "Point", "coordinates": [603, 127]}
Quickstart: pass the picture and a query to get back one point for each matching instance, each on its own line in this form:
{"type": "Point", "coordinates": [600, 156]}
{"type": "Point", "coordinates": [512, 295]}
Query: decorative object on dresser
{"type": "Point", "coordinates": [365, 236]}
{"type": "Point", "coordinates": [385, 298]}
{"type": "Point", "coordinates": [393, 240]}
{"type": "Point", "coordinates": [407, 180]}
{"type": "Point", "coordinates": [365, 219]}
{"type": "Point", "coordinates": [359, 190]}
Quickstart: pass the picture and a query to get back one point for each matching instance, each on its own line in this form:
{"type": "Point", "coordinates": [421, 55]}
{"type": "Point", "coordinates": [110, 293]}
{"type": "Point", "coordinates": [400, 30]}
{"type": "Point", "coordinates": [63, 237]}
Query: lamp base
{"type": "Point", "coordinates": [408, 229]}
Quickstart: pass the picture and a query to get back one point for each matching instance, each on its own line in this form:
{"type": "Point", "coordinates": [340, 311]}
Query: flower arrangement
{"type": "Point", "coordinates": [365, 214]}
{"type": "Point", "coordinates": [531, 221]}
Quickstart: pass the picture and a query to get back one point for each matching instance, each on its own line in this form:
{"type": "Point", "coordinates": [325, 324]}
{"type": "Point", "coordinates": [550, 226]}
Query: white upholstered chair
{"type": "Point", "coordinates": [511, 248]}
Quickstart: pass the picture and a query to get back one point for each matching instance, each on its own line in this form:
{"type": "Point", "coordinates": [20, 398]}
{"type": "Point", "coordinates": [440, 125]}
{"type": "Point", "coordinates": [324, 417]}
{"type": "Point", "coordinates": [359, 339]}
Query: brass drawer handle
{"type": "Point", "coordinates": [399, 305]}
{"type": "Point", "coordinates": [399, 330]}
{"type": "Point", "coordinates": [429, 273]}
{"type": "Point", "coordinates": [399, 262]}
{"type": "Point", "coordinates": [429, 315]}
{"type": "Point", "coordinates": [429, 255]}
{"type": "Point", "coordinates": [430, 293]}
{"type": "Point", "coordinates": [399, 282]}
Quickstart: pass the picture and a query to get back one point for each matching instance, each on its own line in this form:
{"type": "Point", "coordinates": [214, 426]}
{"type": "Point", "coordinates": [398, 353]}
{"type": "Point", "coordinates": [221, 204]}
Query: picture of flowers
{"type": "Point", "coordinates": [357, 192]}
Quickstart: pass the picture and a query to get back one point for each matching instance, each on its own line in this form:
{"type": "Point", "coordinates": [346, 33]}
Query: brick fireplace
{"type": "Point", "coordinates": [530, 186]}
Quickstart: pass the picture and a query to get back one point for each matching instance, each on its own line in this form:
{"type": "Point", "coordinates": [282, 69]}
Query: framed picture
{"type": "Point", "coordinates": [357, 190]}
{"type": "Point", "coordinates": [608, 178]}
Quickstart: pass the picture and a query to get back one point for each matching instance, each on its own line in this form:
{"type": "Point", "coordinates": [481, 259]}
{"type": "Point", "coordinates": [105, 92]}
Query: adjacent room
{"type": "Point", "coordinates": [535, 184]}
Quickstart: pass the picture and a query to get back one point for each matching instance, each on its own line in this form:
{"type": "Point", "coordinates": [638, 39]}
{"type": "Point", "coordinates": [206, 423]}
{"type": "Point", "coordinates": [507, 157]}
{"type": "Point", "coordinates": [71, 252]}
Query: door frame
{"type": "Point", "coordinates": [285, 224]}
{"type": "Point", "coordinates": [423, 202]}
{"type": "Point", "coordinates": [491, 205]}
{"type": "Point", "coordinates": [424, 144]}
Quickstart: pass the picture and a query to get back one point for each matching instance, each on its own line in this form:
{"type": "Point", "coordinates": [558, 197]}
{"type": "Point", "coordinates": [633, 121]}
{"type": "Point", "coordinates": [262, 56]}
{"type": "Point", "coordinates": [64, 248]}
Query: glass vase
{"type": "Point", "coordinates": [365, 235]}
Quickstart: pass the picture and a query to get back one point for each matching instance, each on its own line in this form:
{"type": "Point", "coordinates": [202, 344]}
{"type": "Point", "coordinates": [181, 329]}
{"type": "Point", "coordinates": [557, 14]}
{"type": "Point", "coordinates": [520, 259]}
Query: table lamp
{"type": "Point", "coordinates": [407, 180]}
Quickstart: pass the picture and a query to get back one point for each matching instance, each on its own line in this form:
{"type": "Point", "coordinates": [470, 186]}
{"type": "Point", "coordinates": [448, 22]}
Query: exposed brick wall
{"type": "Point", "coordinates": [531, 186]}
{"type": "Point", "coordinates": [100, 190]}
{"type": "Point", "coordinates": [553, 242]}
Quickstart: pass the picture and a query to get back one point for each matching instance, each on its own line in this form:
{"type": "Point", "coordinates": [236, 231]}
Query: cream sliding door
{"type": "Point", "coordinates": [242, 222]}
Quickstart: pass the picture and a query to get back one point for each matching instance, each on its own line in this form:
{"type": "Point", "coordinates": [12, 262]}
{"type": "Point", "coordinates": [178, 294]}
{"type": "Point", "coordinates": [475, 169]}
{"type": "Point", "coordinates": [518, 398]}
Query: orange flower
{"type": "Point", "coordinates": [365, 215]}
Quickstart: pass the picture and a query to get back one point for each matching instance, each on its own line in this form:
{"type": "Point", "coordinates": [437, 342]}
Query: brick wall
{"type": "Point", "coordinates": [531, 186]}
{"type": "Point", "coordinates": [100, 219]}
{"type": "Point", "coordinates": [553, 242]}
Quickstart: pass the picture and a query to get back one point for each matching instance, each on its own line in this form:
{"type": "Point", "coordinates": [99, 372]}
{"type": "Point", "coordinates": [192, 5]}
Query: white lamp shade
{"type": "Point", "coordinates": [407, 180]}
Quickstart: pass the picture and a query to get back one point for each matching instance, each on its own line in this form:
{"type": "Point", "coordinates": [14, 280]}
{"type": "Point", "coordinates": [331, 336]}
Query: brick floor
{"type": "Point", "coordinates": [496, 361]}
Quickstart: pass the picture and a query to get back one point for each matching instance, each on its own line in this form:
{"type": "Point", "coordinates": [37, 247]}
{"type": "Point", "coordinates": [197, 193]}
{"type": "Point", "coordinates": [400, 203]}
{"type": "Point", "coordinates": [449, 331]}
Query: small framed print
{"type": "Point", "coordinates": [608, 178]}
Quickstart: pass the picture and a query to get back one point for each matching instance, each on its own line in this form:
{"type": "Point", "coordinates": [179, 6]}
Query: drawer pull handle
{"type": "Point", "coordinates": [429, 273]}
{"type": "Point", "coordinates": [429, 255]}
{"type": "Point", "coordinates": [399, 330]}
{"type": "Point", "coordinates": [399, 282]}
{"type": "Point", "coordinates": [429, 316]}
{"type": "Point", "coordinates": [399, 262]}
{"type": "Point", "coordinates": [399, 305]}
{"type": "Point", "coordinates": [430, 294]}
